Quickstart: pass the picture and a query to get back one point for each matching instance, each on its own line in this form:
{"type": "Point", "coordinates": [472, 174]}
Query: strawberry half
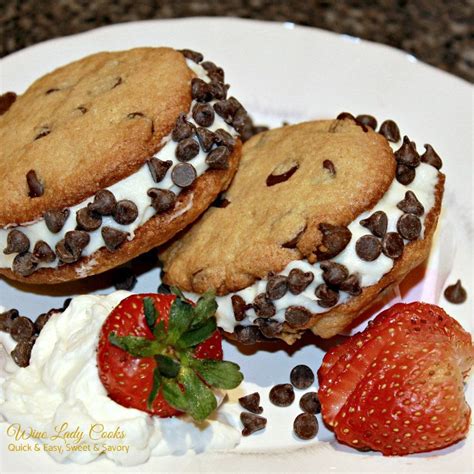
{"type": "Point", "coordinates": [160, 354]}
{"type": "Point", "coordinates": [397, 387]}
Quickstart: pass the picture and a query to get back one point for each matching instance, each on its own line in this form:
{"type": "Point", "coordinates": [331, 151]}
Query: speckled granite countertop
{"type": "Point", "coordinates": [439, 32]}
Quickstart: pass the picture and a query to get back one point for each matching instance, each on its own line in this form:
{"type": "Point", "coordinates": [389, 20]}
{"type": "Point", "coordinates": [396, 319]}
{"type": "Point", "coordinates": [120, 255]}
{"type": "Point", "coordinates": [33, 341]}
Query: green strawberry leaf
{"type": "Point", "coordinates": [181, 316]}
{"type": "Point", "coordinates": [205, 308]}
{"type": "Point", "coordinates": [176, 291]}
{"type": "Point", "coordinates": [218, 373]}
{"type": "Point", "coordinates": [200, 399]}
{"type": "Point", "coordinates": [159, 331]}
{"type": "Point", "coordinates": [167, 366]}
{"type": "Point", "coordinates": [198, 334]}
{"type": "Point", "coordinates": [154, 388]}
{"type": "Point", "coordinates": [135, 345]}
{"type": "Point", "coordinates": [151, 314]}
{"type": "Point", "coordinates": [173, 395]}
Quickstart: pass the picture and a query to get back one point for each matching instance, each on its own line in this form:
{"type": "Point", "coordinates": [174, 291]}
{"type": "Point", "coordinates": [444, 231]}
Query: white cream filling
{"type": "Point", "coordinates": [369, 273]}
{"type": "Point", "coordinates": [133, 188]}
{"type": "Point", "coordinates": [62, 385]}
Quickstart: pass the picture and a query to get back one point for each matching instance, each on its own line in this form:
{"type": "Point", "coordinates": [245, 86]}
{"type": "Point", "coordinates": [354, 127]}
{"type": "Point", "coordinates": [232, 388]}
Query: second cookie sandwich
{"type": "Point", "coordinates": [110, 156]}
{"type": "Point", "coordinates": [321, 219]}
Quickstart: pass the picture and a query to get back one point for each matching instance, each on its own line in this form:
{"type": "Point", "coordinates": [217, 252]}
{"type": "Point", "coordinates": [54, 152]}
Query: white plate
{"type": "Point", "coordinates": [282, 72]}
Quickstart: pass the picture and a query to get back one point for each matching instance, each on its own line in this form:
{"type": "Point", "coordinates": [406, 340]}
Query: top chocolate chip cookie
{"type": "Point", "coordinates": [112, 155]}
{"type": "Point", "coordinates": [296, 189]}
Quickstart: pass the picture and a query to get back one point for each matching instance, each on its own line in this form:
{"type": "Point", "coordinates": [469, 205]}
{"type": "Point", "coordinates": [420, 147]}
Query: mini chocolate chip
{"type": "Point", "coordinates": [292, 244]}
{"type": "Point", "coordinates": [351, 285]}
{"type": "Point", "coordinates": [41, 321]}
{"type": "Point", "coordinates": [22, 329]}
{"type": "Point", "coordinates": [17, 242]}
{"type": "Point", "coordinates": [409, 226]}
{"type": "Point", "coordinates": [306, 426]}
{"type": "Point", "coordinates": [200, 90]}
{"type": "Point", "coordinates": [248, 334]}
{"type": "Point", "coordinates": [455, 294]}
{"type": "Point", "coordinates": [218, 159]}
{"type": "Point", "coordinates": [113, 238]}
{"type": "Point", "coordinates": [239, 306]}
{"type": "Point", "coordinates": [431, 157]}
{"type": "Point", "coordinates": [187, 149]}
{"type": "Point", "coordinates": [334, 241]}
{"type": "Point", "coordinates": [192, 55]}
{"type": "Point", "coordinates": [334, 273]}
{"type": "Point", "coordinates": [368, 248]}
{"type": "Point", "coordinates": [302, 377]}
{"type": "Point", "coordinates": [310, 403]}
{"type": "Point", "coordinates": [329, 165]}
{"type": "Point", "coordinates": [162, 200]}
{"type": "Point", "coordinates": [70, 248]}
{"type": "Point", "coordinates": [6, 319]}
{"type": "Point", "coordinates": [227, 109]}
{"type": "Point", "coordinates": [24, 264]}
{"type": "Point", "coordinates": [392, 245]}
{"type": "Point", "coordinates": [273, 179]}
{"type": "Point", "coordinates": [203, 115]}
{"type": "Point", "coordinates": [44, 131]}
{"type": "Point", "coordinates": [183, 175]}
{"type": "Point", "coordinates": [298, 280]}
{"type": "Point", "coordinates": [367, 120]}
{"type": "Point", "coordinates": [35, 187]}
{"type": "Point", "coordinates": [243, 123]}
{"type": "Point", "coordinates": [252, 423]}
{"type": "Point", "coordinates": [6, 101]}
{"type": "Point", "coordinates": [182, 129]}
{"type": "Point", "coordinates": [43, 252]}
{"type": "Point", "coordinates": [218, 90]}
{"type": "Point", "coordinates": [276, 287]}
{"type": "Point", "coordinates": [377, 223]}
{"type": "Point", "coordinates": [87, 219]}
{"type": "Point", "coordinates": [282, 395]}
{"type": "Point", "coordinates": [117, 82]}
{"type": "Point", "coordinates": [124, 279]}
{"type": "Point", "coordinates": [82, 109]}
{"type": "Point", "coordinates": [125, 212]}
{"type": "Point", "coordinates": [104, 203]}
{"type": "Point", "coordinates": [158, 168]}
{"type": "Point", "coordinates": [21, 353]}
{"type": "Point", "coordinates": [206, 138]}
{"type": "Point", "coordinates": [389, 129]}
{"type": "Point", "coordinates": [404, 174]}
{"type": "Point", "coordinates": [345, 116]}
{"type": "Point", "coordinates": [224, 138]}
{"type": "Point", "coordinates": [297, 316]}
{"type": "Point", "coordinates": [220, 201]}
{"type": "Point", "coordinates": [411, 205]}
{"type": "Point", "coordinates": [213, 71]}
{"type": "Point", "coordinates": [270, 328]}
{"type": "Point", "coordinates": [164, 289]}
{"type": "Point", "coordinates": [263, 307]}
{"type": "Point", "coordinates": [327, 297]}
{"type": "Point", "coordinates": [55, 220]}
{"type": "Point", "coordinates": [407, 154]}
{"type": "Point", "coordinates": [251, 403]}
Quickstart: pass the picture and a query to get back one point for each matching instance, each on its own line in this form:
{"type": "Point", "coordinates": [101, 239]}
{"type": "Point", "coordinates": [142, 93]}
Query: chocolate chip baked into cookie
{"type": "Point", "coordinates": [321, 219]}
{"type": "Point", "coordinates": [110, 156]}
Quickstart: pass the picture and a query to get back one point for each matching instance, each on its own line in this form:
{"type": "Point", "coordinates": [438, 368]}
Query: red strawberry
{"type": "Point", "coordinates": [397, 387]}
{"type": "Point", "coordinates": [160, 354]}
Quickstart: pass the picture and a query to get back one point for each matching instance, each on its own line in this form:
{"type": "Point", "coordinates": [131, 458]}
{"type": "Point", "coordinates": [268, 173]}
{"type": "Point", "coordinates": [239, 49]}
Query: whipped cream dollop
{"type": "Point", "coordinates": [60, 391]}
{"type": "Point", "coordinates": [369, 273]}
{"type": "Point", "coordinates": [134, 188]}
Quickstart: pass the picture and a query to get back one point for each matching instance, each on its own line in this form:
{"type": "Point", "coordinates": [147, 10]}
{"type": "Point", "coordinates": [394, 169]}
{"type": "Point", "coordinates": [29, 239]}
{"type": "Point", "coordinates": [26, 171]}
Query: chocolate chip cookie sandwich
{"type": "Point", "coordinates": [110, 156]}
{"type": "Point", "coordinates": [320, 221]}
